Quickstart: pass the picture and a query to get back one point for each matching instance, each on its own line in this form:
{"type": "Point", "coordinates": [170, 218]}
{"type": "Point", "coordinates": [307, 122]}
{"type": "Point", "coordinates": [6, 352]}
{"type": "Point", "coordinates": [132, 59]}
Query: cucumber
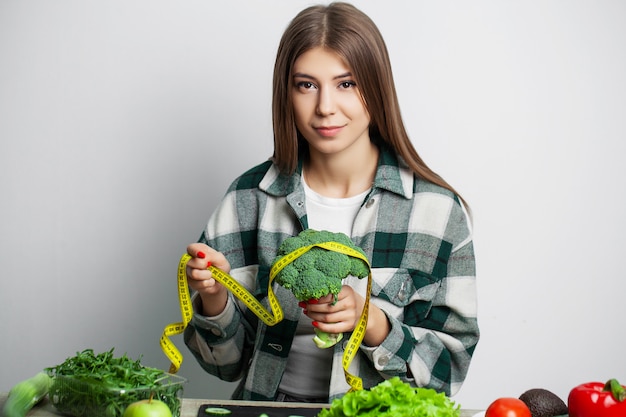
{"type": "Point", "coordinates": [217, 411]}
{"type": "Point", "coordinates": [25, 394]}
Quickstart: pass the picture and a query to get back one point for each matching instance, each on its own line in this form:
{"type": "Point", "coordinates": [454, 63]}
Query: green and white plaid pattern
{"type": "Point", "coordinates": [417, 238]}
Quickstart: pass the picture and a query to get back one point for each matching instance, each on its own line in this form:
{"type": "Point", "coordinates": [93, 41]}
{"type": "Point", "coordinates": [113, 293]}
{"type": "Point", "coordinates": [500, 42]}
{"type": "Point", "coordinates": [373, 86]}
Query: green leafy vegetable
{"type": "Point", "coordinates": [102, 385]}
{"type": "Point", "coordinates": [393, 398]}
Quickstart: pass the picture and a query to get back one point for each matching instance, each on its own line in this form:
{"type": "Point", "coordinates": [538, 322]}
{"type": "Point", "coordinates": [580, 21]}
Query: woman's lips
{"type": "Point", "coordinates": [328, 131]}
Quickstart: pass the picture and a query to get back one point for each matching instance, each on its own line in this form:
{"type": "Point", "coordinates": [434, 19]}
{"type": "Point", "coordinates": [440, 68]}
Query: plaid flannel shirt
{"type": "Point", "coordinates": [417, 238]}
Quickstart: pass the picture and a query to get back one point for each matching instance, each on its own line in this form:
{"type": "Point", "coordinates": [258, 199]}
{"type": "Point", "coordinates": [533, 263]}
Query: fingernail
{"type": "Point", "coordinates": [305, 311]}
{"type": "Point", "coordinates": [315, 324]}
{"type": "Point", "coordinates": [302, 304]}
{"type": "Point", "coordinates": [208, 264]}
{"type": "Point", "coordinates": [201, 255]}
{"type": "Point", "coordinates": [313, 301]}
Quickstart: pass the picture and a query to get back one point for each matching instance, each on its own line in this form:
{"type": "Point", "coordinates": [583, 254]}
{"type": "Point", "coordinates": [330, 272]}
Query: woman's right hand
{"type": "Point", "coordinates": [213, 294]}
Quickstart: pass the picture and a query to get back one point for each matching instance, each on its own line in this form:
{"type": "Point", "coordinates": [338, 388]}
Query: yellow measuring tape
{"type": "Point", "coordinates": [269, 318]}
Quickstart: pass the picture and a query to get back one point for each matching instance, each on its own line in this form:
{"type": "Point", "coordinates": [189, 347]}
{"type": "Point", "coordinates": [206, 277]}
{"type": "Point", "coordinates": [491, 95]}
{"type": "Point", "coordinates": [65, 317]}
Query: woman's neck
{"type": "Point", "coordinates": [342, 175]}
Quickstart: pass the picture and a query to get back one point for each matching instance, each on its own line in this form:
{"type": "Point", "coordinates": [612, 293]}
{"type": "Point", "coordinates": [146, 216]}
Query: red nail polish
{"type": "Point", "coordinates": [208, 264]}
{"type": "Point", "coordinates": [315, 324]}
{"type": "Point", "coordinates": [313, 301]}
{"type": "Point", "coordinates": [201, 255]}
{"type": "Point", "coordinates": [301, 304]}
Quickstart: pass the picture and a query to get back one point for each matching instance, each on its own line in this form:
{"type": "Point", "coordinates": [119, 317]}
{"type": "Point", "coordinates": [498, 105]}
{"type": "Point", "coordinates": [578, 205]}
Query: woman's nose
{"type": "Point", "coordinates": [326, 104]}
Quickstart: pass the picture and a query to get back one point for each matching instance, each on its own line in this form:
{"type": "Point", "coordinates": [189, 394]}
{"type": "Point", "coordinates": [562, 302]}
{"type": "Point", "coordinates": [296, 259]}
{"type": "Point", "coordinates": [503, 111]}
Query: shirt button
{"type": "Point", "coordinates": [402, 292]}
{"type": "Point", "coordinates": [216, 332]}
{"type": "Point", "coordinates": [383, 361]}
{"type": "Point", "coordinates": [370, 202]}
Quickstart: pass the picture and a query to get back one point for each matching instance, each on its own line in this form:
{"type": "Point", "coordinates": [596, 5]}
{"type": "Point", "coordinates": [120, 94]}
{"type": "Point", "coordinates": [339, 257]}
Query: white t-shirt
{"type": "Point", "coordinates": [308, 367]}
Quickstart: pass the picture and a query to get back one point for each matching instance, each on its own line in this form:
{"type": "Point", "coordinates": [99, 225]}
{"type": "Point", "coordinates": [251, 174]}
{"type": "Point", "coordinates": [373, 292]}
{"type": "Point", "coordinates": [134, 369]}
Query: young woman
{"type": "Point", "coordinates": [342, 162]}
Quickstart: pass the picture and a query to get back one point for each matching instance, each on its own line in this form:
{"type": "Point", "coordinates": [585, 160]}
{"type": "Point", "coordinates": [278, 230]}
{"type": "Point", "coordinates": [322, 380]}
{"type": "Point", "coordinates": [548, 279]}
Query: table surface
{"type": "Point", "coordinates": [190, 406]}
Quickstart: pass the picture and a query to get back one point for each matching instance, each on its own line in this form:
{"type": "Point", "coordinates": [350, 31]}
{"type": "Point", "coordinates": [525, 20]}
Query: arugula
{"type": "Point", "coordinates": [94, 385]}
{"type": "Point", "coordinates": [393, 398]}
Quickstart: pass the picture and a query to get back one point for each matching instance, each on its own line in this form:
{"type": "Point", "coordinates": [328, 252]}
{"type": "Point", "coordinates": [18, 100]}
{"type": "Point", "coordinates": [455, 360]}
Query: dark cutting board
{"type": "Point", "coordinates": [255, 411]}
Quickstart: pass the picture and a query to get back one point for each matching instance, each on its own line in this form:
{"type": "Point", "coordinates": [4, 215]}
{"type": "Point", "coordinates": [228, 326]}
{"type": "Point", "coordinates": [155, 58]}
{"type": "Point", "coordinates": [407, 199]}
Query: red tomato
{"type": "Point", "coordinates": [508, 407]}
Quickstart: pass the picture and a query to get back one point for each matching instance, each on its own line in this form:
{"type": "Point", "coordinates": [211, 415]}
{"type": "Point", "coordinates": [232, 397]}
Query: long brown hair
{"type": "Point", "coordinates": [351, 34]}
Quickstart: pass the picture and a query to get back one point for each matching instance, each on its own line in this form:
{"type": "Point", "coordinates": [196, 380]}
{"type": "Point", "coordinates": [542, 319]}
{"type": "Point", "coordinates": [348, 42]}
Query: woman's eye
{"type": "Point", "coordinates": [305, 85]}
{"type": "Point", "coordinates": [347, 84]}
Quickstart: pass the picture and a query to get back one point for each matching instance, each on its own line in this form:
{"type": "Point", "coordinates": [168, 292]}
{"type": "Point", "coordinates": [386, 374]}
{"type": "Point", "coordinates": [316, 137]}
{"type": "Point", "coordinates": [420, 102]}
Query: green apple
{"type": "Point", "coordinates": [147, 408]}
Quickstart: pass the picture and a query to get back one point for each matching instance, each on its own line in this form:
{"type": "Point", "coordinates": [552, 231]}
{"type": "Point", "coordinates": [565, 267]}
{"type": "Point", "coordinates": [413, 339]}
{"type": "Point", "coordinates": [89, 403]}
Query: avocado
{"type": "Point", "coordinates": [543, 403]}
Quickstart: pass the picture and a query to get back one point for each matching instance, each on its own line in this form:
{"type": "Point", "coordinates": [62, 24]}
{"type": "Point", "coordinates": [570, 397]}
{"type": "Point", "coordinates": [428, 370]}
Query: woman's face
{"type": "Point", "coordinates": [328, 107]}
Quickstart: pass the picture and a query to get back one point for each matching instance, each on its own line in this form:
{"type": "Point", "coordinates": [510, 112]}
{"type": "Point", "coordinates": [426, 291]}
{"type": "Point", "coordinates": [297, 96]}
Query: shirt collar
{"type": "Point", "coordinates": [392, 174]}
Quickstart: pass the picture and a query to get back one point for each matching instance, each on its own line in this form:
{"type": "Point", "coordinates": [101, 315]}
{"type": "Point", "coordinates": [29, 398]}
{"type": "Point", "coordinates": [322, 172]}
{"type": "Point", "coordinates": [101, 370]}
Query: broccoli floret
{"type": "Point", "coordinates": [289, 275]}
{"type": "Point", "coordinates": [312, 283]}
{"type": "Point", "coordinates": [333, 264]}
{"type": "Point", "coordinates": [358, 268]}
{"type": "Point", "coordinates": [318, 272]}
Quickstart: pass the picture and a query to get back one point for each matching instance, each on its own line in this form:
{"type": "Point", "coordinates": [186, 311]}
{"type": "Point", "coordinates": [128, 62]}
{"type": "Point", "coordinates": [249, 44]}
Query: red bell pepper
{"type": "Point", "coordinates": [597, 399]}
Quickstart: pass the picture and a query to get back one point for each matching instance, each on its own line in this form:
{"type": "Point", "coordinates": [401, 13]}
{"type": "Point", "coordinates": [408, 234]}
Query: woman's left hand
{"type": "Point", "coordinates": [344, 315]}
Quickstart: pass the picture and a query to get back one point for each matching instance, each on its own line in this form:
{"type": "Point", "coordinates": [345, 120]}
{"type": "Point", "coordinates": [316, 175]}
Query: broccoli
{"type": "Point", "coordinates": [319, 272]}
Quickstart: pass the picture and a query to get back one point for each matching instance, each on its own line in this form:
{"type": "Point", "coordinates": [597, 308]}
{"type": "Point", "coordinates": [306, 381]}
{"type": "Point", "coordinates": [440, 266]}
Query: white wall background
{"type": "Point", "coordinates": [123, 122]}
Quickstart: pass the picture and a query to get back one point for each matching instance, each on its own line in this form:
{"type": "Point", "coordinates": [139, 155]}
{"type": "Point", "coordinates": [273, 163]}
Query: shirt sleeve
{"type": "Point", "coordinates": [217, 342]}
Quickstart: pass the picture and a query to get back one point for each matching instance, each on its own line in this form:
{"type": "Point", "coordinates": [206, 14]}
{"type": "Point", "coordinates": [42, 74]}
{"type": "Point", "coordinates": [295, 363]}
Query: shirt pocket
{"type": "Point", "coordinates": [405, 291]}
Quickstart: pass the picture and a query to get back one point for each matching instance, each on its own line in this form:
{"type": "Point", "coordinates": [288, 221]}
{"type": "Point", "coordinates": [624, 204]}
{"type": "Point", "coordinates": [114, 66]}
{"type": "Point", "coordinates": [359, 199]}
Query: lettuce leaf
{"type": "Point", "coordinates": [393, 397]}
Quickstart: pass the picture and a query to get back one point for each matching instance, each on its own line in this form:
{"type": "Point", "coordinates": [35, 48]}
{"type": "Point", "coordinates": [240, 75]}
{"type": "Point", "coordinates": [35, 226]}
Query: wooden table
{"type": "Point", "coordinates": [190, 406]}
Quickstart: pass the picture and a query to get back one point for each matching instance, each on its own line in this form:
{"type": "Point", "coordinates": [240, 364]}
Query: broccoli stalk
{"type": "Point", "coordinates": [319, 272]}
